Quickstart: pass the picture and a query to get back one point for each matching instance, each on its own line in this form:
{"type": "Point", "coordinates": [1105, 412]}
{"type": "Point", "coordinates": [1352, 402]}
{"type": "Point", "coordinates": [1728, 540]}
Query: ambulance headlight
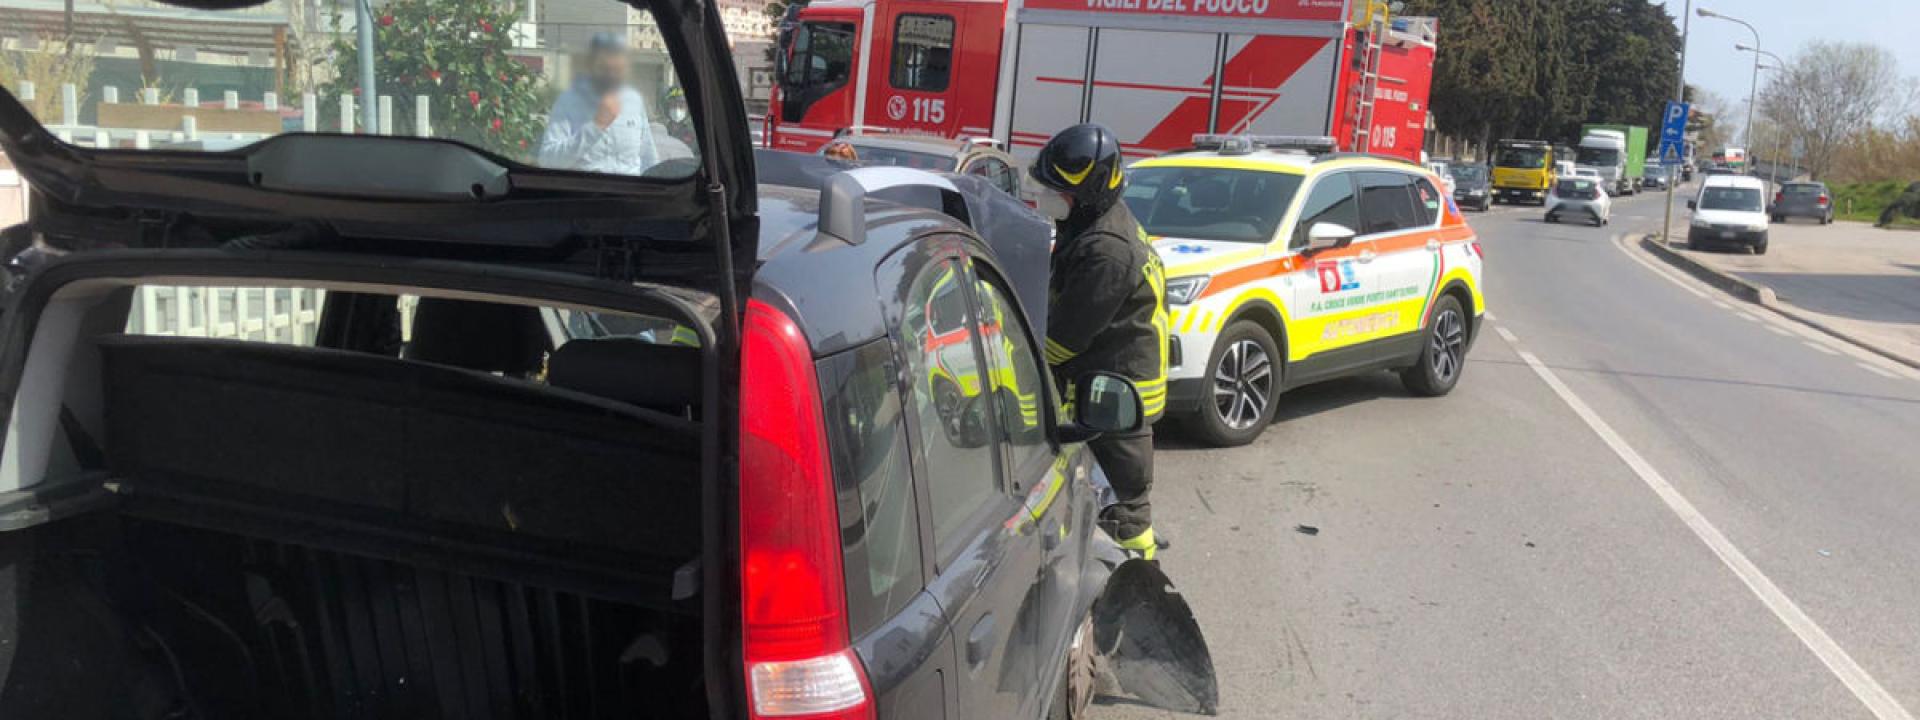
{"type": "Point", "coordinates": [1184, 290]}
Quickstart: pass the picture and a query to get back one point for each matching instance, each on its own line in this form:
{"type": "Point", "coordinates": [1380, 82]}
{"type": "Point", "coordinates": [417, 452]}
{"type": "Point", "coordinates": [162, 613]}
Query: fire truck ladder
{"type": "Point", "coordinates": [1377, 26]}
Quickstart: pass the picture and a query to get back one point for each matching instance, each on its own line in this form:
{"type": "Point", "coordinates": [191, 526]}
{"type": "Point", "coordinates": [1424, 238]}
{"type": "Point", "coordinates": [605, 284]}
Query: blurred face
{"type": "Point", "coordinates": [608, 70]}
{"type": "Point", "coordinates": [1052, 203]}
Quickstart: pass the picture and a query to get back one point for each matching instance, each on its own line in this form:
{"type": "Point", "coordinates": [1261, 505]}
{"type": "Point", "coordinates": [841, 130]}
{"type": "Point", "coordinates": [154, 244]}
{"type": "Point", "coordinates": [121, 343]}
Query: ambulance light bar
{"type": "Point", "coordinates": [1243, 144]}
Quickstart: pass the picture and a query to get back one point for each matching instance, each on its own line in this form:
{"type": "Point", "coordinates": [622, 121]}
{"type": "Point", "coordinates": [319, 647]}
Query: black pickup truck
{"type": "Point", "coordinates": [375, 425]}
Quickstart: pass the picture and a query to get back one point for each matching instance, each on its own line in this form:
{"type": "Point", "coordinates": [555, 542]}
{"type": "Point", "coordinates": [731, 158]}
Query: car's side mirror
{"type": "Point", "coordinates": [1103, 403]}
{"type": "Point", "coordinates": [1692, 205]}
{"type": "Point", "coordinates": [1326, 235]}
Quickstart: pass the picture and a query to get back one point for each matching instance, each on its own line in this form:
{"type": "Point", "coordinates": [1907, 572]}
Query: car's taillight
{"type": "Point", "coordinates": [1823, 199]}
{"type": "Point", "coordinates": [1476, 249]}
{"type": "Point", "coordinates": [792, 592]}
{"type": "Point", "coordinates": [1779, 197]}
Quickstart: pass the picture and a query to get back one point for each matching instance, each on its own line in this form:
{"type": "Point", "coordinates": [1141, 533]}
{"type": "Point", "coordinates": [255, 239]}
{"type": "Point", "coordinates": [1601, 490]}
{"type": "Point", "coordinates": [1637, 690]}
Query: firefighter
{"type": "Point", "coordinates": [1107, 309]}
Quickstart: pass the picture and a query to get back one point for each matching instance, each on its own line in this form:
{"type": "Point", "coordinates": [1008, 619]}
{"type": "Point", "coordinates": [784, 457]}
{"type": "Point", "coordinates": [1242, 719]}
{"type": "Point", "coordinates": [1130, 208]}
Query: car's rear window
{"type": "Point", "coordinates": [1804, 189]}
{"type": "Point", "coordinates": [596, 93]}
{"type": "Point", "coordinates": [1210, 203]}
{"type": "Point", "coordinates": [1574, 188]}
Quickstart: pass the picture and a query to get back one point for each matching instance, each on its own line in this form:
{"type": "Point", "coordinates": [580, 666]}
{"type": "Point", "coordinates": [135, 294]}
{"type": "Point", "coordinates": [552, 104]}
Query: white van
{"type": "Point", "coordinates": [1731, 210]}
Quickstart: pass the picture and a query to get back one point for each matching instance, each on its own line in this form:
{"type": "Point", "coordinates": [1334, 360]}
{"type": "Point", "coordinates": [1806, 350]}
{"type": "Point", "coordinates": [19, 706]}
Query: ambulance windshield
{"type": "Point", "coordinates": [1210, 203]}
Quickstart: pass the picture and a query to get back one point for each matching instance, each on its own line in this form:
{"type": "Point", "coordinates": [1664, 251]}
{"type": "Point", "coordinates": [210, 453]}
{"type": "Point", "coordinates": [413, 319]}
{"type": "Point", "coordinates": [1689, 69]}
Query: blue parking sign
{"type": "Point", "coordinates": [1673, 133]}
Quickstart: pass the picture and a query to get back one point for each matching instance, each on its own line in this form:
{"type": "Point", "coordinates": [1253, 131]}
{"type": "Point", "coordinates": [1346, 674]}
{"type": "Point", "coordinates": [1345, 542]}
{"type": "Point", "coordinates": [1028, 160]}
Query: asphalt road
{"type": "Point", "coordinates": [1724, 528]}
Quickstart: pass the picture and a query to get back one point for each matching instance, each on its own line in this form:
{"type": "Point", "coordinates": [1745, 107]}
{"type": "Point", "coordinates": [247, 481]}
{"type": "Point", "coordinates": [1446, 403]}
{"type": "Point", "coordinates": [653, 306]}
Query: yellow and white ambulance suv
{"type": "Point", "coordinates": [1287, 264]}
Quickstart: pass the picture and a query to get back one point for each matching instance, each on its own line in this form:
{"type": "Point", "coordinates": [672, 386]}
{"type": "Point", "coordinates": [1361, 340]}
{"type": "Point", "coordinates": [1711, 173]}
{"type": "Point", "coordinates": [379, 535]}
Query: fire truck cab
{"type": "Point", "coordinates": [1157, 72]}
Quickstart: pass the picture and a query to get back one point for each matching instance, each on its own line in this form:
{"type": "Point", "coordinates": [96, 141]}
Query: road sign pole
{"type": "Point", "coordinates": [1679, 95]}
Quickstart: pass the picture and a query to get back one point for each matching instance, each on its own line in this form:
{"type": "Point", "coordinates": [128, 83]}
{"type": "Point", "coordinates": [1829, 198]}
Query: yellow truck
{"type": "Point", "coordinates": [1522, 171]}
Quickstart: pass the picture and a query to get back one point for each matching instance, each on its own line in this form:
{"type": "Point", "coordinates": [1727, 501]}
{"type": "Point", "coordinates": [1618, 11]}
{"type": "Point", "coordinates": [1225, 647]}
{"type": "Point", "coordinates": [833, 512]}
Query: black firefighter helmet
{"type": "Point", "coordinates": [1082, 161]}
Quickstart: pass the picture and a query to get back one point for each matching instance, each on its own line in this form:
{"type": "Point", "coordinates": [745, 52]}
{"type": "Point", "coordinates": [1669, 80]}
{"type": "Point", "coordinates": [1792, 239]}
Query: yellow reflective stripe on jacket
{"type": "Point", "coordinates": [1057, 353]}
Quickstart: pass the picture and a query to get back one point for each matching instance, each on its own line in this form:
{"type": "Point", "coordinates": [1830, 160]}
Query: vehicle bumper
{"type": "Point", "coordinates": [1520, 194]}
{"type": "Point", "coordinates": [1469, 199]}
{"type": "Point", "coordinates": [1712, 236]}
{"type": "Point", "coordinates": [1185, 395]}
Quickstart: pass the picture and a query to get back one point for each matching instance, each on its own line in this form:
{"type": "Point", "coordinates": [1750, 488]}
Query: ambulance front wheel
{"type": "Point", "coordinates": [1242, 382]}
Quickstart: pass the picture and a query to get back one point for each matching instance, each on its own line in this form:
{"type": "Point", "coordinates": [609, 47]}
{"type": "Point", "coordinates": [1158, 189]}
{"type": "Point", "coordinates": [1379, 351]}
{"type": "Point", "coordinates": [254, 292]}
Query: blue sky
{"type": "Point", "coordinates": [1786, 25]}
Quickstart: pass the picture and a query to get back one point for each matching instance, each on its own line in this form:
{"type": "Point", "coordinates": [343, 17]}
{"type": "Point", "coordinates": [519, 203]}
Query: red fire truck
{"type": "Point", "coordinates": [1157, 72]}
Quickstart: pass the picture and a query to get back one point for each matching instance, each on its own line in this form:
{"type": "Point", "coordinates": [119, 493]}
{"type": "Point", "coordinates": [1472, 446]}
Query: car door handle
{"type": "Point", "coordinates": [1433, 243]}
{"type": "Point", "coordinates": [979, 639]}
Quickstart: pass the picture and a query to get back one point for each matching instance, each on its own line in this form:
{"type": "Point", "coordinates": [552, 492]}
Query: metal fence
{"type": "Point", "coordinates": [188, 126]}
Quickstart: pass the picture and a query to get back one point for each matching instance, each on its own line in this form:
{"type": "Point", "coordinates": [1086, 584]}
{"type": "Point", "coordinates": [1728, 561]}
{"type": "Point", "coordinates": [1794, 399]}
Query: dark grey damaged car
{"type": "Point", "coordinates": [353, 426]}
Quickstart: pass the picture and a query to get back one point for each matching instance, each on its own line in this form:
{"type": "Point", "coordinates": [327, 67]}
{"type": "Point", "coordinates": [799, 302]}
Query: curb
{"type": "Point", "coordinates": [1765, 297]}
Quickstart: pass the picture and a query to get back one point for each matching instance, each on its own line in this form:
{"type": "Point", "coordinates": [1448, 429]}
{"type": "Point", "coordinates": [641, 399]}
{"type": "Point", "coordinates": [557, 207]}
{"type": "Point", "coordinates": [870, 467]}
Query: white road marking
{"type": "Point", "coordinates": [1750, 317]}
{"type": "Point", "coordinates": [1777, 331]}
{"type": "Point", "coordinates": [1648, 264]}
{"type": "Point", "coordinates": [1877, 370]}
{"type": "Point", "coordinates": [1506, 334]}
{"type": "Point", "coordinates": [1868, 690]}
{"type": "Point", "coordinates": [1820, 347]}
{"type": "Point", "coordinates": [1722, 305]}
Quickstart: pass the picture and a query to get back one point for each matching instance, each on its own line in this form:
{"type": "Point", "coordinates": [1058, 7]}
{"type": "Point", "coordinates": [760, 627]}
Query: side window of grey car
{"type": "Point", "coordinates": [954, 423]}
{"type": "Point", "coordinates": [1331, 201]}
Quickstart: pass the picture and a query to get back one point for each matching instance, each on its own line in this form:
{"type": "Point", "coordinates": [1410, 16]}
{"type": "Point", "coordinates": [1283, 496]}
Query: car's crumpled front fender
{"type": "Point", "coordinates": [1148, 636]}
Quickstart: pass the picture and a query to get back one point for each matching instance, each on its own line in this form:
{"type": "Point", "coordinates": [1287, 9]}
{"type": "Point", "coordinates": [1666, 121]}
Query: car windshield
{"type": "Point", "coordinates": [1598, 156]}
{"type": "Point", "coordinates": [881, 155]}
{"type": "Point", "coordinates": [1518, 157]}
{"type": "Point", "coordinates": [599, 94]}
{"type": "Point", "coordinates": [1730, 198]}
{"type": "Point", "coordinates": [1466, 173]}
{"type": "Point", "coordinates": [1210, 203]}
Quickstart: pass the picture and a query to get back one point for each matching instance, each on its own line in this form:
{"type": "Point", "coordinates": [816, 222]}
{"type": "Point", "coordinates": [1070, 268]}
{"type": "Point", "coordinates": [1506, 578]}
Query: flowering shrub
{"type": "Point", "coordinates": [455, 53]}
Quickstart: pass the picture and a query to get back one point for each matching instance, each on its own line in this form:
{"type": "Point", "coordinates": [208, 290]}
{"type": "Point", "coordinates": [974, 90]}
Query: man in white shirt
{"type": "Point", "coordinates": [600, 124]}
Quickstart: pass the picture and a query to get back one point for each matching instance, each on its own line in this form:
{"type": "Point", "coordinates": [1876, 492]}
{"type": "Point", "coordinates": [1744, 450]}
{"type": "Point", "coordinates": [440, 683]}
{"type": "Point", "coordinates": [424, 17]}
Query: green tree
{"type": "Point", "coordinates": [454, 52]}
{"type": "Point", "coordinates": [1540, 68]}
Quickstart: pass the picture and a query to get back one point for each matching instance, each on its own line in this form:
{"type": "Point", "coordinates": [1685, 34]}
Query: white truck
{"type": "Point", "coordinates": [1606, 152]}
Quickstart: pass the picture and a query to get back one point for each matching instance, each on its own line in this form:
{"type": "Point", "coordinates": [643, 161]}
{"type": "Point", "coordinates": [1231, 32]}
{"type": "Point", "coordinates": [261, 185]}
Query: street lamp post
{"type": "Point", "coordinates": [1754, 99]}
{"type": "Point", "coordinates": [1679, 95]}
{"type": "Point", "coordinates": [1753, 90]}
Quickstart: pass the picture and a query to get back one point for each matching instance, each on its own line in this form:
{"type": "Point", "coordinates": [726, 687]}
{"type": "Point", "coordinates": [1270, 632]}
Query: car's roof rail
{"type": "Point", "coordinates": [1329, 157]}
{"type": "Point", "coordinates": [843, 198]}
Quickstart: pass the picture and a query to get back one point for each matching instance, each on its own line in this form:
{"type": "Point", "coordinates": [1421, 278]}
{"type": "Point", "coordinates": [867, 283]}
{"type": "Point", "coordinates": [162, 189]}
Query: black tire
{"type": "Point", "coordinates": [1760, 248]}
{"type": "Point", "coordinates": [1778, 218]}
{"type": "Point", "coordinates": [1243, 381]}
{"type": "Point", "coordinates": [1078, 677]}
{"type": "Point", "coordinates": [1551, 219]}
{"type": "Point", "coordinates": [1443, 351]}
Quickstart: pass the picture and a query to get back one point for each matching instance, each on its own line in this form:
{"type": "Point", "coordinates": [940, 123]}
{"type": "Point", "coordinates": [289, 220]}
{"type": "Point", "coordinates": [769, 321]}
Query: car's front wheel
{"type": "Point", "coordinates": [1444, 353]}
{"type": "Point", "coordinates": [1243, 379]}
{"type": "Point", "coordinates": [1080, 674]}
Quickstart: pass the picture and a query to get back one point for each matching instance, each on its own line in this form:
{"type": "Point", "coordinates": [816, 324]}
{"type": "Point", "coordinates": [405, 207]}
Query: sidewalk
{"type": "Point", "coordinates": [1857, 281]}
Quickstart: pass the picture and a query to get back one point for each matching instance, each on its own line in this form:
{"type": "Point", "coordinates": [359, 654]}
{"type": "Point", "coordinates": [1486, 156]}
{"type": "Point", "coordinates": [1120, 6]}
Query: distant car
{"type": "Point", "coordinates": [1472, 185]}
{"type": "Point", "coordinates": [925, 152]}
{"type": "Point", "coordinates": [1802, 199]}
{"type": "Point", "coordinates": [1656, 177]}
{"type": "Point", "coordinates": [1731, 210]}
{"type": "Point", "coordinates": [1440, 168]}
{"type": "Point", "coordinates": [1580, 197]}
